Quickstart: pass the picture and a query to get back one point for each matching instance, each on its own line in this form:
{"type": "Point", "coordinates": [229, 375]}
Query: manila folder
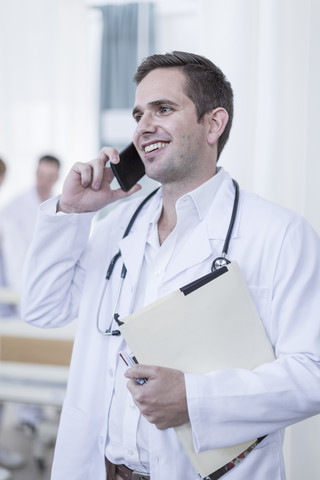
{"type": "Point", "coordinates": [209, 324]}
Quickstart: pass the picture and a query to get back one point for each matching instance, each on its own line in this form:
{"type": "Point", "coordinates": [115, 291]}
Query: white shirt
{"type": "Point", "coordinates": [127, 441]}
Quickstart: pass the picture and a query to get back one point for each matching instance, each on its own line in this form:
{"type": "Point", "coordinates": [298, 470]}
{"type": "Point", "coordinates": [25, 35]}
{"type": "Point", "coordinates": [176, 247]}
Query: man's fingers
{"type": "Point", "coordinates": [108, 153]}
{"type": "Point", "coordinates": [140, 371]}
{"type": "Point", "coordinates": [91, 173]}
{"type": "Point", "coordinates": [85, 172]}
{"type": "Point", "coordinates": [87, 186]}
{"type": "Point", "coordinates": [162, 400]}
{"type": "Point", "coordinates": [98, 169]}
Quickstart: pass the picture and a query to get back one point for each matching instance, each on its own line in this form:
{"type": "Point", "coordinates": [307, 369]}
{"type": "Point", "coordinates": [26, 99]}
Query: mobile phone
{"type": "Point", "coordinates": [130, 169]}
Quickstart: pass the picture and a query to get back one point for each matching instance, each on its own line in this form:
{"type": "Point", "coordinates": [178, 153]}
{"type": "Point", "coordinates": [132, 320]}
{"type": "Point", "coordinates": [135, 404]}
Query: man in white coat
{"type": "Point", "coordinates": [19, 218]}
{"type": "Point", "coordinates": [183, 110]}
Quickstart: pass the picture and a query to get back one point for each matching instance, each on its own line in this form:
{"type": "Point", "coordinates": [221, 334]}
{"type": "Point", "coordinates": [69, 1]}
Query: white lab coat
{"type": "Point", "coordinates": [279, 255]}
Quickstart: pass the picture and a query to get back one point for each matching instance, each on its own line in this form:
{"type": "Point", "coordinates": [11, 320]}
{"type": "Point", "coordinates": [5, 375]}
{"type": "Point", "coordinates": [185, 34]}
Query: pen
{"type": "Point", "coordinates": [130, 361]}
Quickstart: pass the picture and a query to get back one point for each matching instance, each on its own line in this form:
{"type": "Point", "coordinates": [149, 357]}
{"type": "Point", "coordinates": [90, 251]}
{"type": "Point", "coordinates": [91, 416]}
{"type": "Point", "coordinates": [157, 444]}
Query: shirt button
{"type": "Point", "coordinates": [130, 452]}
{"type": "Point", "coordinates": [110, 373]}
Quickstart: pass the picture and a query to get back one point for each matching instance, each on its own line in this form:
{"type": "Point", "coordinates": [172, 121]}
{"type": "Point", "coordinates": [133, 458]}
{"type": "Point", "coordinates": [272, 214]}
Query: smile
{"type": "Point", "coordinates": [154, 146]}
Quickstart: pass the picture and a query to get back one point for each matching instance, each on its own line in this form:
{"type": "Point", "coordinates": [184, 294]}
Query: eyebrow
{"type": "Point", "coordinates": [155, 103]}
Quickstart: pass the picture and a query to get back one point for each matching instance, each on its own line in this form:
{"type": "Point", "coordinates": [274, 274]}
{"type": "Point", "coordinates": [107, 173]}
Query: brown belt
{"type": "Point", "coordinates": [116, 471]}
{"type": "Point", "coordinates": [123, 472]}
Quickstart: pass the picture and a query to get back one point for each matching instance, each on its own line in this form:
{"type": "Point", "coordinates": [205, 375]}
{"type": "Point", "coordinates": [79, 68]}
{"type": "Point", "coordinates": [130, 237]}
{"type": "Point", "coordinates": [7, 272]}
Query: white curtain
{"type": "Point", "coordinates": [269, 49]}
{"type": "Point", "coordinates": [128, 32]}
{"type": "Point", "coordinates": [46, 90]}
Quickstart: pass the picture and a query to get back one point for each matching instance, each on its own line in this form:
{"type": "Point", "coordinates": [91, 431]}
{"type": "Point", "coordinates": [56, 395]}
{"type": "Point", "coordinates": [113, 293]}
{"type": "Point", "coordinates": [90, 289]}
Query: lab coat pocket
{"type": "Point", "coordinates": [73, 449]}
{"type": "Point", "coordinates": [74, 426]}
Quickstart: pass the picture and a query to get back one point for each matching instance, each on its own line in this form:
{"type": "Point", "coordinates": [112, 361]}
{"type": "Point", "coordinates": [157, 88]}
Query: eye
{"type": "Point", "coordinates": [137, 117]}
{"type": "Point", "coordinates": [165, 109]}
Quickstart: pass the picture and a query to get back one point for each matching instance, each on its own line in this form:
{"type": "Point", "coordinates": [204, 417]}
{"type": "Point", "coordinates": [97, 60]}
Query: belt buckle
{"type": "Point", "coordinates": [139, 476]}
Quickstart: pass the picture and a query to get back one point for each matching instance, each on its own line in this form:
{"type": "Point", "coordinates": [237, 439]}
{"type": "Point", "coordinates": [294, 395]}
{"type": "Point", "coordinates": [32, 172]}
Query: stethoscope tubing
{"type": "Point", "coordinates": [223, 260]}
{"type": "Point", "coordinates": [233, 218]}
{"type": "Point", "coordinates": [123, 274]}
{"type": "Point", "coordinates": [216, 264]}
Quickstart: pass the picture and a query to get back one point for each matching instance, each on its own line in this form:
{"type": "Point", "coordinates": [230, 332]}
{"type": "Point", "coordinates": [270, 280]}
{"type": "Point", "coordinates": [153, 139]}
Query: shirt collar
{"type": "Point", "coordinates": [202, 196]}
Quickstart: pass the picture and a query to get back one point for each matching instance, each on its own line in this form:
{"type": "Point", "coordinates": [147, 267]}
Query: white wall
{"type": "Point", "coordinates": [269, 50]}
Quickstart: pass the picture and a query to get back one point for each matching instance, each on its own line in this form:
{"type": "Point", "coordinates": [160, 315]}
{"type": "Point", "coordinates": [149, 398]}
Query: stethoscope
{"type": "Point", "coordinates": [217, 263]}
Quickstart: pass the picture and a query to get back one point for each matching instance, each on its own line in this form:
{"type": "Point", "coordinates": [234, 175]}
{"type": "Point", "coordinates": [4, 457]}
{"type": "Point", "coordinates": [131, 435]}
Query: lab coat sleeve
{"type": "Point", "coordinates": [54, 270]}
{"type": "Point", "coordinates": [227, 407]}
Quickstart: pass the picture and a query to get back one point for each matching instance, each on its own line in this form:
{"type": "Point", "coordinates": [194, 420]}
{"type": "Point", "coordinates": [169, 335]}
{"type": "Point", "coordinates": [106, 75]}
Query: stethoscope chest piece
{"type": "Point", "coordinates": [219, 262]}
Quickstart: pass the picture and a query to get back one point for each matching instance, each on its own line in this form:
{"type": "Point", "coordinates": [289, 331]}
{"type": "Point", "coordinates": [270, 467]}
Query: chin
{"type": "Point", "coordinates": [153, 173]}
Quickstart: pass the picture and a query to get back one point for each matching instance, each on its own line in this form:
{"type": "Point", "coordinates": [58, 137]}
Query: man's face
{"type": "Point", "coordinates": [2, 178]}
{"type": "Point", "coordinates": [47, 175]}
{"type": "Point", "coordinates": [171, 142]}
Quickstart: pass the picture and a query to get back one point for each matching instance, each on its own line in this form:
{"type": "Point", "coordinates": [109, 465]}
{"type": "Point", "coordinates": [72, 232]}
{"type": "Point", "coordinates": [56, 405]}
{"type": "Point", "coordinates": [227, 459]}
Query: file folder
{"type": "Point", "coordinates": [209, 324]}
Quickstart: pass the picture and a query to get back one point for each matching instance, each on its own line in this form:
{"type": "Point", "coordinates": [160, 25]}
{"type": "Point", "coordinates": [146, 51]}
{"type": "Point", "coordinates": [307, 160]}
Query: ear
{"type": "Point", "coordinates": [217, 121]}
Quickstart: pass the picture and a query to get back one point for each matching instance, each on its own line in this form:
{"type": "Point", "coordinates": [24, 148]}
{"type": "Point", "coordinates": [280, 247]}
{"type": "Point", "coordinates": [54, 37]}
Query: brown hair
{"type": "Point", "coordinates": [50, 159]}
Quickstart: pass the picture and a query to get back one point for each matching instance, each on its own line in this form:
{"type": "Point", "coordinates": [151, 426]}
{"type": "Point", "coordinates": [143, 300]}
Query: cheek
{"type": "Point", "coordinates": [135, 137]}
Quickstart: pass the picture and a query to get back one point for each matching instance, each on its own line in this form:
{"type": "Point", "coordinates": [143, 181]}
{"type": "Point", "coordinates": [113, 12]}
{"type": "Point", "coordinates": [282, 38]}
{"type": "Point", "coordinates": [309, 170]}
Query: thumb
{"type": "Point", "coordinates": [138, 371]}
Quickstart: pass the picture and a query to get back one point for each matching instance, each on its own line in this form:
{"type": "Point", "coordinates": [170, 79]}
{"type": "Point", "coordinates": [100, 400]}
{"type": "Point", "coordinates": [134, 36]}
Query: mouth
{"type": "Point", "coordinates": [152, 147]}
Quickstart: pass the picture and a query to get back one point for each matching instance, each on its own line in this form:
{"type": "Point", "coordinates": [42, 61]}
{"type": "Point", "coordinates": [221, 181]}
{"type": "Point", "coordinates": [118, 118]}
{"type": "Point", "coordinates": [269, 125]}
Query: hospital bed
{"type": "Point", "coordinates": [34, 366]}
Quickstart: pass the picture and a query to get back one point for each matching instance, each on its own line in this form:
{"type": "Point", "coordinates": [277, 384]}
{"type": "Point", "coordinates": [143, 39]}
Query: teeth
{"type": "Point", "coordinates": [154, 146]}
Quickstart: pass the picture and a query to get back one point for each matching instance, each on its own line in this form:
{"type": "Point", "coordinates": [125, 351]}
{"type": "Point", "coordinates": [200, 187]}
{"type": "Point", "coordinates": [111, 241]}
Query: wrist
{"type": "Point", "coordinates": [61, 208]}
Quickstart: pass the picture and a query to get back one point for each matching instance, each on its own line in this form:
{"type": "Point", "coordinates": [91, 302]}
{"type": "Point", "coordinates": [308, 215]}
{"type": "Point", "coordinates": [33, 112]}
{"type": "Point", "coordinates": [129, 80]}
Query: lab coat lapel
{"type": "Point", "coordinates": [195, 250]}
{"type": "Point", "coordinates": [133, 246]}
{"type": "Point", "coordinates": [219, 215]}
{"type": "Point", "coordinates": [207, 240]}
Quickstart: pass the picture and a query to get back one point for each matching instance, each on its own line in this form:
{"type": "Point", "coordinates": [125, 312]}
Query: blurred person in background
{"type": "Point", "coordinates": [6, 309]}
{"type": "Point", "coordinates": [3, 169]}
{"type": "Point", "coordinates": [8, 458]}
{"type": "Point", "coordinates": [19, 219]}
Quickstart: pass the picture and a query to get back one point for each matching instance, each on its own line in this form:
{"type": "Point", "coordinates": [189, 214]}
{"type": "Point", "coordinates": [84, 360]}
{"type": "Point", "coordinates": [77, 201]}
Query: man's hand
{"type": "Point", "coordinates": [87, 186]}
{"type": "Point", "coordinates": [162, 400]}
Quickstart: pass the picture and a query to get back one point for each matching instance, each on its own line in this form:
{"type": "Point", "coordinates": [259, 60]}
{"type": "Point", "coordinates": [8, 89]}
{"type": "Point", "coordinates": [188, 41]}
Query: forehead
{"type": "Point", "coordinates": [47, 167]}
{"type": "Point", "coordinates": [161, 83]}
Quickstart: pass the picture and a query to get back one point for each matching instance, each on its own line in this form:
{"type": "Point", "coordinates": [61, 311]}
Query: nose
{"type": "Point", "coordinates": [145, 125]}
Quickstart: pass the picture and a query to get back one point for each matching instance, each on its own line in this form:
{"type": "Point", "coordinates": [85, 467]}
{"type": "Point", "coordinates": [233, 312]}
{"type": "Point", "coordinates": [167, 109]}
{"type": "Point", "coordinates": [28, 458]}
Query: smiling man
{"type": "Point", "coordinates": [111, 425]}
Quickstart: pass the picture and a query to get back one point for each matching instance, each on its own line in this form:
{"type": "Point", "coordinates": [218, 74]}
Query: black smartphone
{"type": "Point", "coordinates": [130, 169]}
